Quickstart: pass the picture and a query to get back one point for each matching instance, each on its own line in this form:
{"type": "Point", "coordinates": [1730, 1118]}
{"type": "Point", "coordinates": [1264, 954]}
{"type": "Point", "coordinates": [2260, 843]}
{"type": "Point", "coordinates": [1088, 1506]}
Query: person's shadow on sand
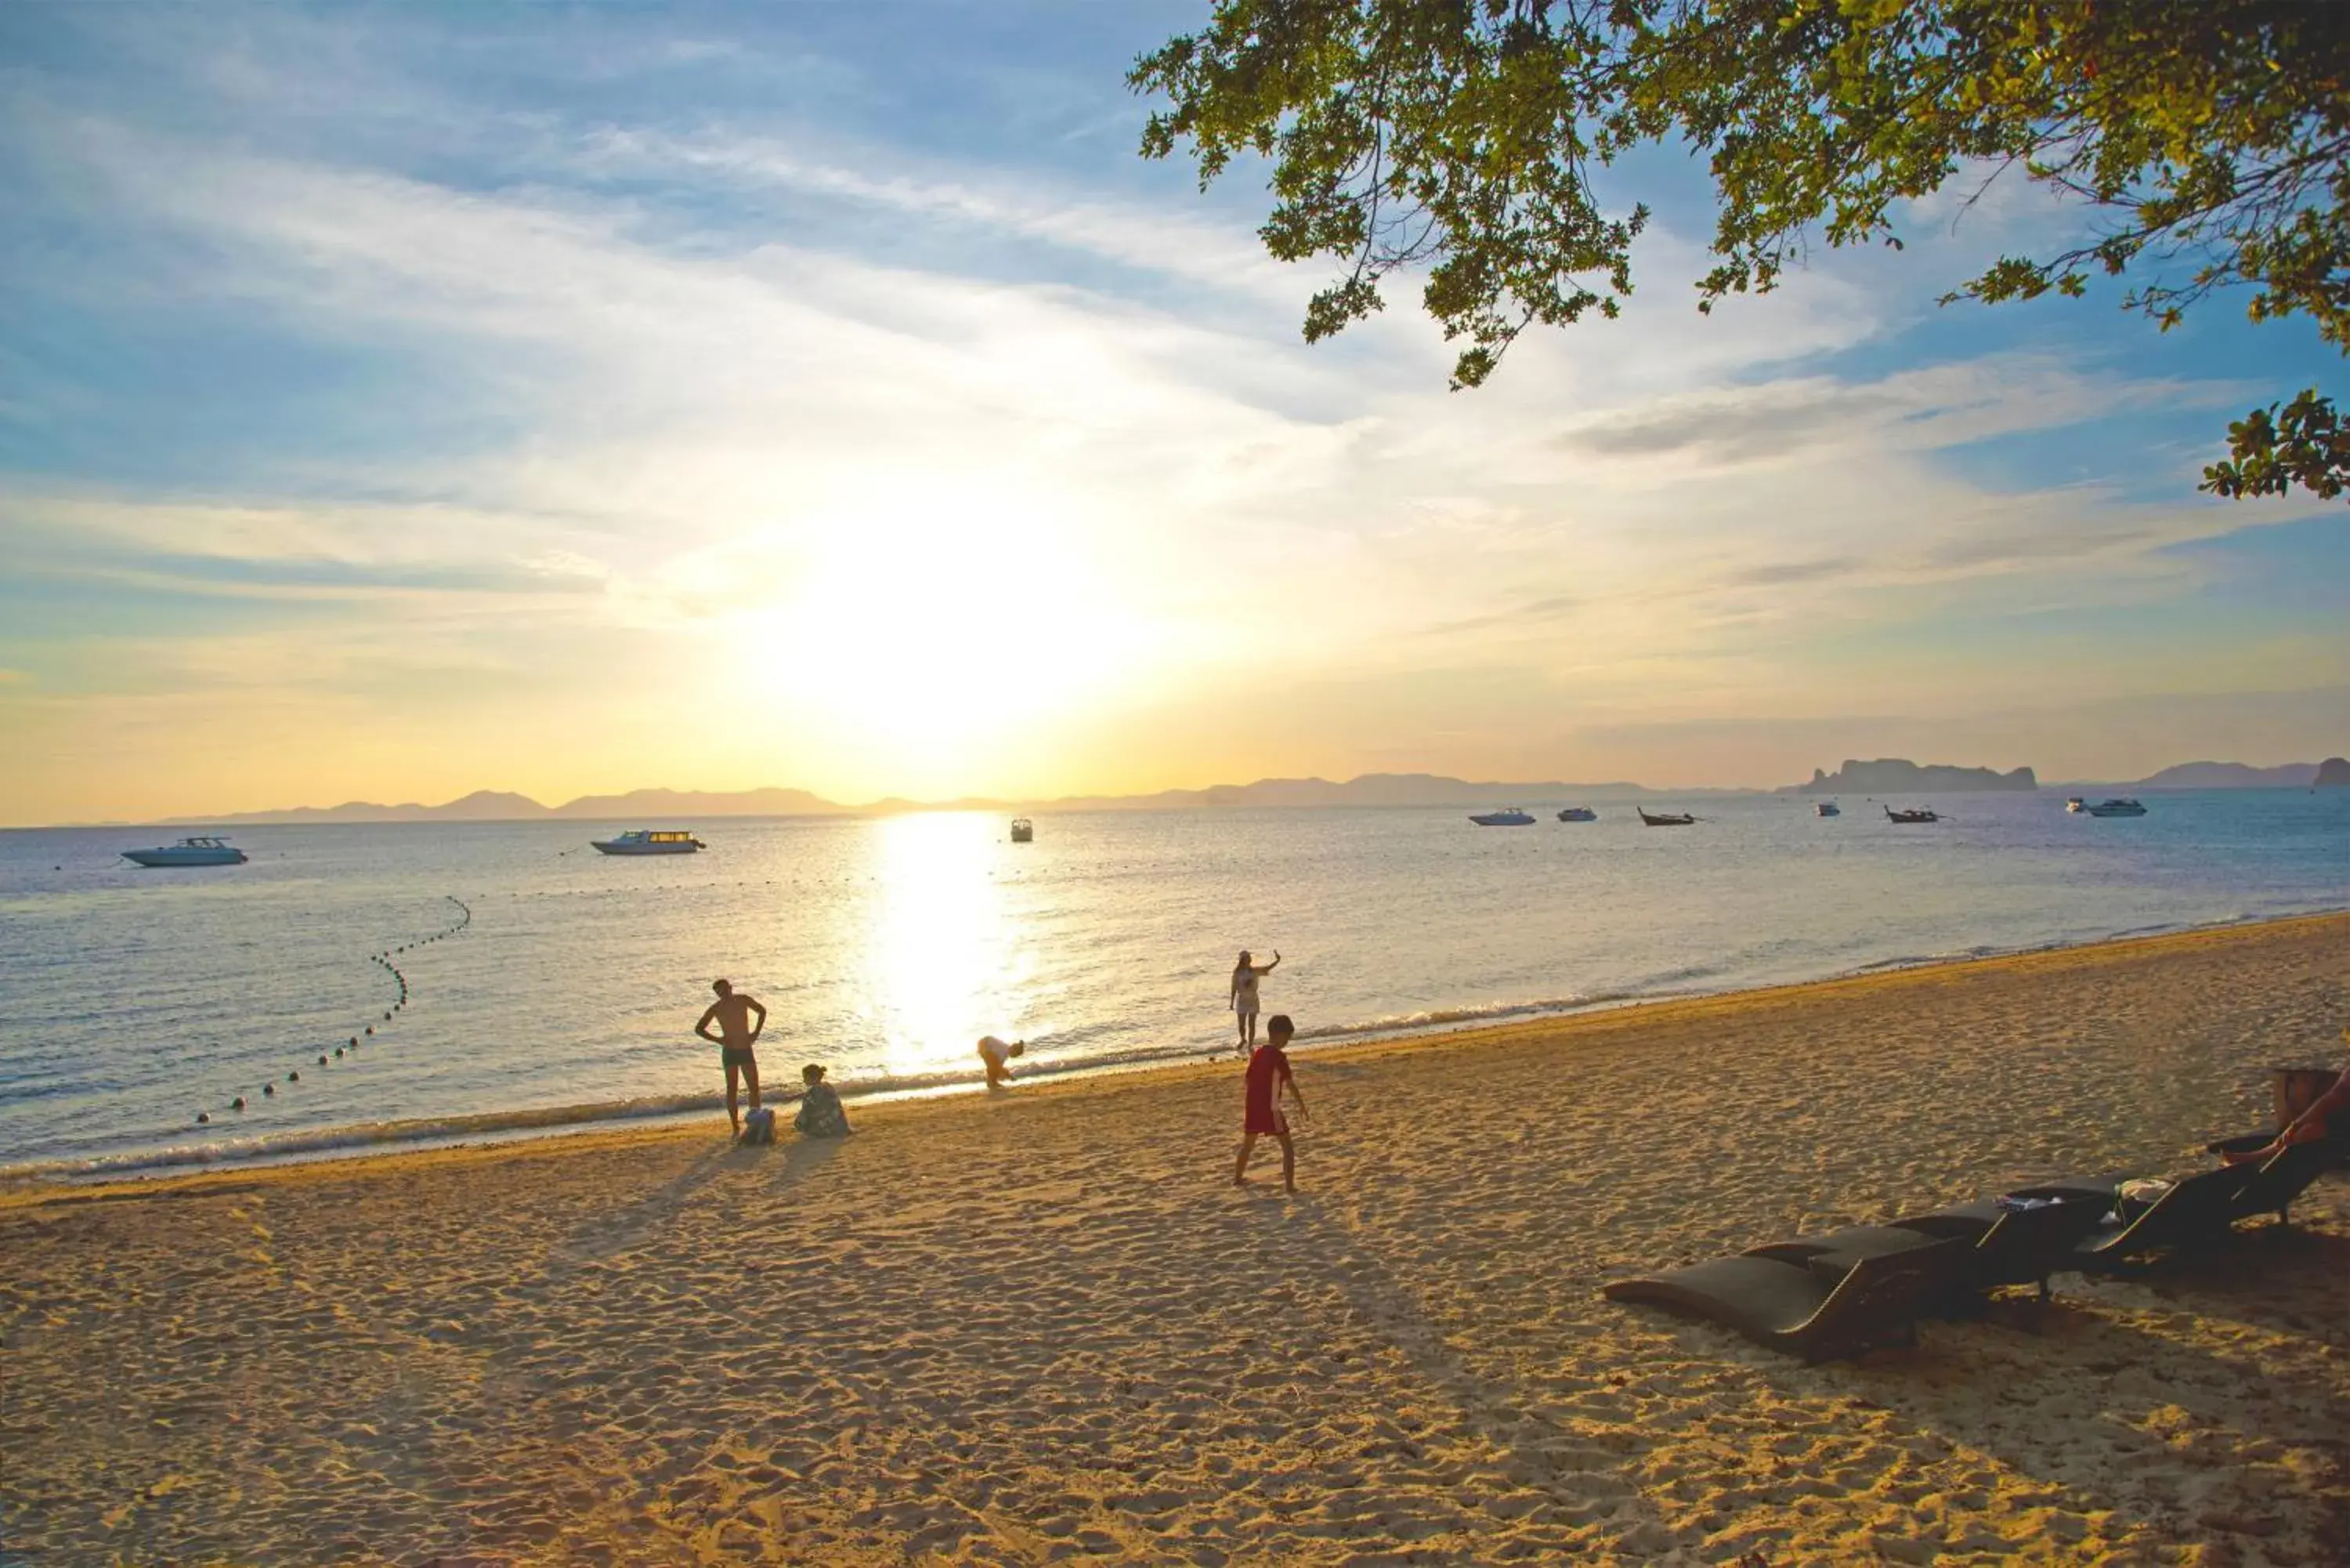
{"type": "Point", "coordinates": [802, 1156]}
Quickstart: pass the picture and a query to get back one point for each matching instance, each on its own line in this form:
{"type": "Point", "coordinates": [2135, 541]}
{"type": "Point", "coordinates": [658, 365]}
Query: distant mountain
{"type": "Point", "coordinates": [1899, 775]}
{"type": "Point", "coordinates": [2334, 772]}
{"type": "Point", "coordinates": [482, 806]}
{"type": "Point", "coordinates": [2230, 775]}
{"type": "Point", "coordinates": [649, 806]}
{"type": "Point", "coordinates": [1374, 789]}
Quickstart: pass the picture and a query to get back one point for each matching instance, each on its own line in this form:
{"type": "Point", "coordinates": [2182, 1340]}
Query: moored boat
{"type": "Point", "coordinates": [1022, 831]}
{"type": "Point", "coordinates": [1665, 818]}
{"type": "Point", "coordinates": [643, 841]}
{"type": "Point", "coordinates": [1508, 816]}
{"type": "Point", "coordinates": [1923, 813]}
{"type": "Point", "coordinates": [188, 852]}
{"type": "Point", "coordinates": [1578, 814]}
{"type": "Point", "coordinates": [1827, 808]}
{"type": "Point", "coordinates": [2120, 805]}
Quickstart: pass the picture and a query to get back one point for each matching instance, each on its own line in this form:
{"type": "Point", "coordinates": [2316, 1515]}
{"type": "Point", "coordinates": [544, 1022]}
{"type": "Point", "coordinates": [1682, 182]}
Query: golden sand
{"type": "Point", "coordinates": [1042, 1326]}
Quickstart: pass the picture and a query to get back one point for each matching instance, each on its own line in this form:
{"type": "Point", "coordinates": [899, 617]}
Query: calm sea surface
{"type": "Point", "coordinates": [132, 1000]}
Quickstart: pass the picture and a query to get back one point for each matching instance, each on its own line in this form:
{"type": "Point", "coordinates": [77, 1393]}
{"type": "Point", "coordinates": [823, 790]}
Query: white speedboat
{"type": "Point", "coordinates": [1508, 816]}
{"type": "Point", "coordinates": [2120, 805]}
{"type": "Point", "coordinates": [1578, 814]}
{"type": "Point", "coordinates": [188, 852]}
{"type": "Point", "coordinates": [1827, 808]}
{"type": "Point", "coordinates": [644, 842]}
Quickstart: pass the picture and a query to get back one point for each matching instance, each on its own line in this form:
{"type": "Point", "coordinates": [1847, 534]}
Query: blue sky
{"type": "Point", "coordinates": [400, 400]}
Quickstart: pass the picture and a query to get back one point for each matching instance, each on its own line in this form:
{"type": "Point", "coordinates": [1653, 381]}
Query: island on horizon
{"type": "Point", "coordinates": [1899, 775]}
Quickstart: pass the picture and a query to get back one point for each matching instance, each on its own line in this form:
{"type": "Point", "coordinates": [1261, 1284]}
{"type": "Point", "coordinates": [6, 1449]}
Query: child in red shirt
{"type": "Point", "coordinates": [1268, 1072]}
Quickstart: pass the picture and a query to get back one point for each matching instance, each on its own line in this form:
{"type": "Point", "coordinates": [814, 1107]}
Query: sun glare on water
{"type": "Point", "coordinates": [943, 960]}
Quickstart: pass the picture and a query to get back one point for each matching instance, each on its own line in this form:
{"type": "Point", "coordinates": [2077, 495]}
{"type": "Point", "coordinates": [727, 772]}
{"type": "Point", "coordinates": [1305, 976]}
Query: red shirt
{"type": "Point", "coordinates": [1267, 1068]}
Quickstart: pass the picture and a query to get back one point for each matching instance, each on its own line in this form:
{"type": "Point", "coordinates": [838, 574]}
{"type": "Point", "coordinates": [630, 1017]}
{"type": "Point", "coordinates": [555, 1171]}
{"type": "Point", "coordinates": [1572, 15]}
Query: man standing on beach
{"type": "Point", "coordinates": [736, 1034]}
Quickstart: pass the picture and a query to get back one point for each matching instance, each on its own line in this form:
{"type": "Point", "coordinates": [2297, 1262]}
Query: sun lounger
{"type": "Point", "coordinates": [2282, 1178]}
{"type": "Point", "coordinates": [2198, 1209]}
{"type": "Point", "coordinates": [1839, 1251]}
{"type": "Point", "coordinates": [1998, 1246]}
{"type": "Point", "coordinates": [2336, 1146]}
{"type": "Point", "coordinates": [1815, 1313]}
{"type": "Point", "coordinates": [2015, 1246]}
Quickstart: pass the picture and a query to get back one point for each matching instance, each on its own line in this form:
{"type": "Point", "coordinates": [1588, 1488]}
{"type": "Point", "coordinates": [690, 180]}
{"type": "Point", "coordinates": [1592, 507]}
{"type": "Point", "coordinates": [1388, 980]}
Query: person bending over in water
{"type": "Point", "coordinates": [1268, 1072]}
{"type": "Point", "coordinates": [1244, 978]}
{"type": "Point", "coordinates": [994, 1053]}
{"type": "Point", "coordinates": [820, 1112]}
{"type": "Point", "coordinates": [736, 1034]}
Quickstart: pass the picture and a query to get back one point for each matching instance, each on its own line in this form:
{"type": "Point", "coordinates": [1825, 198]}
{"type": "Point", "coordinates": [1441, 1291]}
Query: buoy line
{"type": "Point", "coordinates": [400, 1004]}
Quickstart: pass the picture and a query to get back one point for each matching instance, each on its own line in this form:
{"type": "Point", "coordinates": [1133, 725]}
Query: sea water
{"type": "Point", "coordinates": [133, 1000]}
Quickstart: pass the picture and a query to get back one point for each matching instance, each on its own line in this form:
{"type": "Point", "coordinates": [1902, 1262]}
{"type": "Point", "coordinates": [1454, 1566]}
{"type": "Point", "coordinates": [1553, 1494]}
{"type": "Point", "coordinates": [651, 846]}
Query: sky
{"type": "Point", "coordinates": [404, 401]}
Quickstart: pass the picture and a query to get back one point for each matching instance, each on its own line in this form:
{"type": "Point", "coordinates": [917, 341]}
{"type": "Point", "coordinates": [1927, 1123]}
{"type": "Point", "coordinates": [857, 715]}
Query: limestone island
{"type": "Point", "coordinates": [2332, 773]}
{"type": "Point", "coordinates": [1899, 775]}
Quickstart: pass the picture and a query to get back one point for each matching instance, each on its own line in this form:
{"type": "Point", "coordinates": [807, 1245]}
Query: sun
{"type": "Point", "coordinates": [923, 637]}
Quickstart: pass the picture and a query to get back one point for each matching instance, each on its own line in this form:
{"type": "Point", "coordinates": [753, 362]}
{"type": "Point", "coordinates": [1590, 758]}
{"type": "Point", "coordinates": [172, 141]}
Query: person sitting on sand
{"type": "Point", "coordinates": [1268, 1072]}
{"type": "Point", "coordinates": [1245, 975]}
{"type": "Point", "coordinates": [821, 1114]}
{"type": "Point", "coordinates": [736, 1034]}
{"type": "Point", "coordinates": [2315, 1121]}
{"type": "Point", "coordinates": [994, 1053]}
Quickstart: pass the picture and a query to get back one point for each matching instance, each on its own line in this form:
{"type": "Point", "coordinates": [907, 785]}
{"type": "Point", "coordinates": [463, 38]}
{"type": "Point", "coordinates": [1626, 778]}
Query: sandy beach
{"type": "Point", "coordinates": [1042, 1325]}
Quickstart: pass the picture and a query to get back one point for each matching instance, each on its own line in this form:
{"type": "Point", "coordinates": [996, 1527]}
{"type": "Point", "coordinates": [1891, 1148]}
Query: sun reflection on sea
{"type": "Point", "coordinates": [943, 961]}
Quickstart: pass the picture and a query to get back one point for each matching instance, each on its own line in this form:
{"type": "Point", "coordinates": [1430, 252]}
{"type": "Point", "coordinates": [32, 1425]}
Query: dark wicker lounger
{"type": "Point", "coordinates": [1999, 1246]}
{"type": "Point", "coordinates": [2016, 1246]}
{"type": "Point", "coordinates": [2197, 1210]}
{"type": "Point", "coordinates": [2282, 1178]}
{"type": "Point", "coordinates": [1806, 1312]}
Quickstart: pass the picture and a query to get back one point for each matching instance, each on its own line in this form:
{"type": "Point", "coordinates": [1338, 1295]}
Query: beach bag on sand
{"type": "Point", "coordinates": [759, 1127]}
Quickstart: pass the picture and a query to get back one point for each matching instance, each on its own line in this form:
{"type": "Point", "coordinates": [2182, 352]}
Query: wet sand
{"type": "Point", "coordinates": [1043, 1326]}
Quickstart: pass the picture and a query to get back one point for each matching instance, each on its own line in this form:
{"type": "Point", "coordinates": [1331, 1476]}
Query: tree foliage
{"type": "Point", "coordinates": [2209, 139]}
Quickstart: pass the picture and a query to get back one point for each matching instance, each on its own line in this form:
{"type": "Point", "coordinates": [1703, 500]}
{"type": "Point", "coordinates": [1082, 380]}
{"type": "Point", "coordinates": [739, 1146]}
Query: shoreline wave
{"type": "Point", "coordinates": [420, 1133]}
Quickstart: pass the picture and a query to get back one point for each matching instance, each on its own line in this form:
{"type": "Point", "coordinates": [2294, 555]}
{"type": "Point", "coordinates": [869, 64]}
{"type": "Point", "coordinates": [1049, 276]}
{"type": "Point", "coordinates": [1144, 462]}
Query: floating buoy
{"type": "Point", "coordinates": [293, 1077]}
{"type": "Point", "coordinates": [269, 1088]}
{"type": "Point", "coordinates": [202, 1116]}
{"type": "Point", "coordinates": [238, 1104]}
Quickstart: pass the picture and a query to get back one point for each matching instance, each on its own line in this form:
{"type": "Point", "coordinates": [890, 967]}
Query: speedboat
{"type": "Point", "coordinates": [190, 852]}
{"type": "Point", "coordinates": [1665, 818]}
{"type": "Point", "coordinates": [1022, 831]}
{"type": "Point", "coordinates": [642, 842]}
{"type": "Point", "coordinates": [1923, 813]}
{"type": "Point", "coordinates": [1508, 816]}
{"type": "Point", "coordinates": [1827, 808]}
{"type": "Point", "coordinates": [2120, 805]}
{"type": "Point", "coordinates": [1578, 814]}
